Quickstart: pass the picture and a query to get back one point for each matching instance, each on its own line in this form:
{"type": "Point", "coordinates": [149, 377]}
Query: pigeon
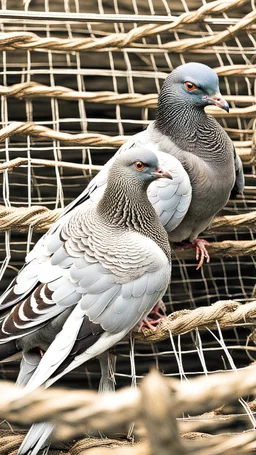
{"type": "Point", "coordinates": [183, 130]}
{"type": "Point", "coordinates": [88, 282]}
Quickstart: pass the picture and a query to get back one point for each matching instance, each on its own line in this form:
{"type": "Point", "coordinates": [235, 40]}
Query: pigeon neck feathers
{"type": "Point", "coordinates": [125, 204]}
{"type": "Point", "coordinates": [191, 129]}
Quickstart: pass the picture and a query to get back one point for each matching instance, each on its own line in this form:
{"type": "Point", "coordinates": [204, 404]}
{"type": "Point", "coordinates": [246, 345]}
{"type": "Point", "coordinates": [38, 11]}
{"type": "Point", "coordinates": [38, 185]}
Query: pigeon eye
{"type": "Point", "coordinates": [139, 165]}
{"type": "Point", "coordinates": [190, 86]}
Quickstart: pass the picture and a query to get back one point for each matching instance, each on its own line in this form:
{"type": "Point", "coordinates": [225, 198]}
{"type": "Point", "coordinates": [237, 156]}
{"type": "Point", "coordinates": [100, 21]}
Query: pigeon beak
{"type": "Point", "coordinates": [217, 100]}
{"type": "Point", "coordinates": [162, 173]}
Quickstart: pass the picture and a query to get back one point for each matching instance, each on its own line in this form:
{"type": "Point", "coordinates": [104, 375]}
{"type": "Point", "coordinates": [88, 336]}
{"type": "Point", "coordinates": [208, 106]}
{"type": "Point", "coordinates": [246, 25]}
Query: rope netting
{"type": "Point", "coordinates": [156, 407]}
{"type": "Point", "coordinates": [77, 79]}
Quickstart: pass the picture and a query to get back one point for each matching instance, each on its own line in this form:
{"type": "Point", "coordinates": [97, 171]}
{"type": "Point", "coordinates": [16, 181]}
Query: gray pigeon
{"type": "Point", "coordinates": [184, 131]}
{"type": "Point", "coordinates": [91, 279]}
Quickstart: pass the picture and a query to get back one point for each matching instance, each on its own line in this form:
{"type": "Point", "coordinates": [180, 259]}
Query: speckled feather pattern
{"type": "Point", "coordinates": [91, 279]}
{"type": "Point", "coordinates": [91, 236]}
{"type": "Point", "coordinates": [194, 147]}
{"type": "Point", "coordinates": [102, 267]}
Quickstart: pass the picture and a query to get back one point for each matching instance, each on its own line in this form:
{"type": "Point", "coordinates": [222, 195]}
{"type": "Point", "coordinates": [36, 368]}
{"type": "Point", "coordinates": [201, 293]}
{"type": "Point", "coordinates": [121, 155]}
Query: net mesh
{"type": "Point", "coordinates": [103, 78]}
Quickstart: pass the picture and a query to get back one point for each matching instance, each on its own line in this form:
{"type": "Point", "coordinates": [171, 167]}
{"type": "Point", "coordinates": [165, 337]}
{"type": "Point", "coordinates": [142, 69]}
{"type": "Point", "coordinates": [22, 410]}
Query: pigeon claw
{"type": "Point", "coordinates": [201, 252]}
{"type": "Point", "coordinates": [156, 310]}
{"type": "Point", "coordinates": [148, 323]}
{"type": "Point", "coordinates": [41, 352]}
{"type": "Point", "coordinates": [154, 317]}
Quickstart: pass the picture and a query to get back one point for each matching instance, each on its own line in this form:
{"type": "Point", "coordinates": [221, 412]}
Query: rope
{"type": "Point", "coordinates": [29, 128]}
{"type": "Point", "coordinates": [193, 44]}
{"type": "Point", "coordinates": [226, 312]}
{"type": "Point", "coordinates": [227, 248]}
{"type": "Point", "coordinates": [41, 162]}
{"type": "Point", "coordinates": [41, 218]}
{"type": "Point", "coordinates": [11, 440]}
{"type": "Point", "coordinates": [78, 412]}
{"type": "Point", "coordinates": [93, 139]}
{"type": "Point", "coordinates": [230, 222]}
{"type": "Point", "coordinates": [244, 442]}
{"type": "Point", "coordinates": [238, 70]}
{"type": "Point", "coordinates": [245, 156]}
{"type": "Point", "coordinates": [26, 40]}
{"type": "Point", "coordinates": [36, 90]}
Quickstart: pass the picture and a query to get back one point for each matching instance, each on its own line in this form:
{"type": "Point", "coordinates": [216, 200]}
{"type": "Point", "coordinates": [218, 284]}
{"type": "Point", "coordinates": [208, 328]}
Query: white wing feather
{"type": "Point", "coordinates": [170, 198]}
{"type": "Point", "coordinates": [116, 311]}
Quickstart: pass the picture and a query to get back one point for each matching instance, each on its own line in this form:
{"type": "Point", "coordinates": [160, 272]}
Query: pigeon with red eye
{"type": "Point", "coordinates": [205, 167]}
{"type": "Point", "coordinates": [204, 149]}
{"type": "Point", "coordinates": [97, 275]}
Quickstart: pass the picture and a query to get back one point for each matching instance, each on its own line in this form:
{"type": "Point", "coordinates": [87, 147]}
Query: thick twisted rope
{"type": "Point", "coordinates": [51, 163]}
{"type": "Point", "coordinates": [10, 441]}
{"type": "Point", "coordinates": [76, 412]}
{"type": "Point", "coordinates": [226, 312]}
{"type": "Point", "coordinates": [227, 248]}
{"type": "Point", "coordinates": [41, 218]}
{"type": "Point", "coordinates": [26, 40]}
{"type": "Point", "coordinates": [193, 44]}
{"type": "Point", "coordinates": [193, 441]}
{"type": "Point", "coordinates": [238, 70]}
{"type": "Point", "coordinates": [183, 19]}
{"type": "Point", "coordinates": [154, 405]}
{"type": "Point", "coordinates": [38, 217]}
{"type": "Point", "coordinates": [93, 139]}
{"type": "Point", "coordinates": [230, 222]}
{"type": "Point", "coordinates": [35, 90]}
{"type": "Point", "coordinates": [39, 131]}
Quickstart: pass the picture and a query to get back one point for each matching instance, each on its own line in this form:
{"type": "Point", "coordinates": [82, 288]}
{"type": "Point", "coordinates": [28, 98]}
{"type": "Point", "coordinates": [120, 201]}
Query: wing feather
{"type": "Point", "coordinates": [110, 310]}
{"type": "Point", "coordinates": [177, 193]}
{"type": "Point", "coordinates": [116, 307]}
{"type": "Point", "coordinates": [110, 286]}
{"type": "Point", "coordinates": [240, 180]}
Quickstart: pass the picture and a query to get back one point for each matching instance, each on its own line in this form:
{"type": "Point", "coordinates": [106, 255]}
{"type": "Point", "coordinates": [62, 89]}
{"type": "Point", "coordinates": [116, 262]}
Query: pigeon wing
{"type": "Point", "coordinates": [113, 308]}
{"type": "Point", "coordinates": [238, 188]}
{"type": "Point", "coordinates": [115, 287]}
{"type": "Point", "coordinates": [96, 187]}
{"type": "Point", "coordinates": [36, 263]}
{"type": "Point", "coordinates": [170, 198]}
{"type": "Point", "coordinates": [119, 278]}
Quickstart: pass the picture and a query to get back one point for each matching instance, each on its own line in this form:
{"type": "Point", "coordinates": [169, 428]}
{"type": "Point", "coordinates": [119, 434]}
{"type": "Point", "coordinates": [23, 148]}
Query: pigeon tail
{"type": "Point", "coordinates": [37, 441]}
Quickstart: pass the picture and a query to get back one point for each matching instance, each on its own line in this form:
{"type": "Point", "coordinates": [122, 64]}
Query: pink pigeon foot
{"type": "Point", "coordinates": [159, 306]}
{"type": "Point", "coordinates": [151, 322]}
{"type": "Point", "coordinates": [148, 323]}
{"type": "Point", "coordinates": [201, 251]}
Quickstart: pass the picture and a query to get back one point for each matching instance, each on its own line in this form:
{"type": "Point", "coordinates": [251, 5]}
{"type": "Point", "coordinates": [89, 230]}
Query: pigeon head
{"type": "Point", "coordinates": [138, 164]}
{"type": "Point", "coordinates": [125, 202]}
{"type": "Point", "coordinates": [195, 85]}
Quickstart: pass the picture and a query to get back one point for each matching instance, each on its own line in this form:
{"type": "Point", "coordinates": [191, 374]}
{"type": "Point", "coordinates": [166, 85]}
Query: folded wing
{"type": "Point", "coordinates": [108, 288]}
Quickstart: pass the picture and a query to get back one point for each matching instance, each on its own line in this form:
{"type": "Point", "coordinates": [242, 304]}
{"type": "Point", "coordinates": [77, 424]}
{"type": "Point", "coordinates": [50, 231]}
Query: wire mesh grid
{"type": "Point", "coordinates": [50, 80]}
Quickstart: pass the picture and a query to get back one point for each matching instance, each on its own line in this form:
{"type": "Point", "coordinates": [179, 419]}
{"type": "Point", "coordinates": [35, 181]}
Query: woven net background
{"type": "Point", "coordinates": [73, 88]}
